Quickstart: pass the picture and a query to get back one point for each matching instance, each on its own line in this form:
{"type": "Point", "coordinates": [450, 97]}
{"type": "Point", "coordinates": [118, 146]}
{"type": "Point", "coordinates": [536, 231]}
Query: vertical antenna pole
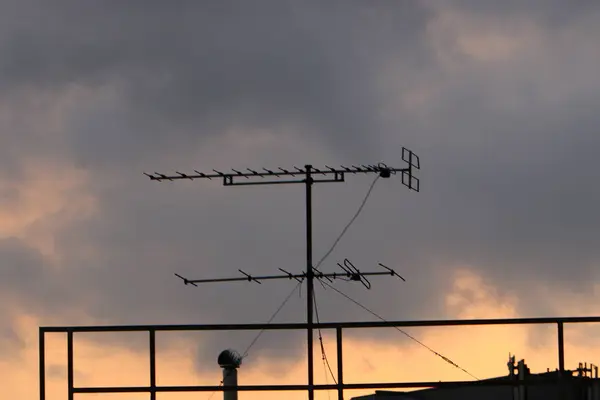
{"type": "Point", "coordinates": [309, 280]}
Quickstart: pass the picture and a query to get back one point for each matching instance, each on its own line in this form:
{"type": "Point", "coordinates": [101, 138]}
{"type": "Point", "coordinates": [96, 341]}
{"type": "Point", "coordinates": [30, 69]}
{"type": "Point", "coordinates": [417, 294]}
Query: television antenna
{"type": "Point", "coordinates": [307, 176]}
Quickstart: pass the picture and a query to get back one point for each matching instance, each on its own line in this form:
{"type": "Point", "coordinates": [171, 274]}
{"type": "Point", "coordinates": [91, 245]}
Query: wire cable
{"type": "Point", "coordinates": [325, 371]}
{"type": "Point", "coordinates": [260, 333]}
{"type": "Point", "coordinates": [446, 359]}
{"type": "Point", "coordinates": [323, 353]}
{"type": "Point", "coordinates": [362, 205]}
{"type": "Point", "coordinates": [289, 296]}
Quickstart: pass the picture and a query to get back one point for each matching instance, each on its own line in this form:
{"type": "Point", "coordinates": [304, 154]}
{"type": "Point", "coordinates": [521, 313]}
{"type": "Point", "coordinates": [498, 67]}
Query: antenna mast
{"type": "Point", "coordinates": [308, 176]}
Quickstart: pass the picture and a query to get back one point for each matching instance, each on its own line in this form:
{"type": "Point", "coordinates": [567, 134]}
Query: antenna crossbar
{"type": "Point", "coordinates": [328, 174]}
{"type": "Point", "coordinates": [347, 274]}
{"type": "Point", "coordinates": [270, 173]}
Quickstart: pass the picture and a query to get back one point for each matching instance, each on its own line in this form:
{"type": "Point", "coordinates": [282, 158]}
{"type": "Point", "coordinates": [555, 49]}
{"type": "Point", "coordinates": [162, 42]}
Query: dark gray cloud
{"type": "Point", "coordinates": [187, 72]}
{"type": "Point", "coordinates": [554, 13]}
{"type": "Point", "coordinates": [507, 148]}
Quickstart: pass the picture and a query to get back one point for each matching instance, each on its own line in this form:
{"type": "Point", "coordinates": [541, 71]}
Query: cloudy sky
{"type": "Point", "coordinates": [499, 100]}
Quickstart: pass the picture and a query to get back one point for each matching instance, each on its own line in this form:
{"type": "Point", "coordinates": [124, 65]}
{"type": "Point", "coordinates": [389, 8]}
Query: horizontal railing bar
{"type": "Point", "coordinates": [347, 386]}
{"type": "Point", "coordinates": [323, 325]}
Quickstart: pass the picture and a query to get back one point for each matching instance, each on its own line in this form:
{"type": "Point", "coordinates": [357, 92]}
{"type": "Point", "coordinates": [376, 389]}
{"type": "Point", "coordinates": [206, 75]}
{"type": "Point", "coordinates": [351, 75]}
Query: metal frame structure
{"type": "Point", "coordinates": [308, 176]}
{"type": "Point", "coordinates": [339, 327]}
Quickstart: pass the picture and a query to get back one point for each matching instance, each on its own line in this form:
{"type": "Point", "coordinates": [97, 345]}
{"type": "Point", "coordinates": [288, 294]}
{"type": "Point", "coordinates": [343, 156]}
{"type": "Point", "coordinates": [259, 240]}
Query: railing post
{"type": "Point", "coordinates": [561, 360]}
{"type": "Point", "coordinates": [561, 348]}
{"type": "Point", "coordinates": [42, 351]}
{"type": "Point", "coordinates": [152, 343]}
{"type": "Point", "coordinates": [70, 380]}
{"type": "Point", "coordinates": [340, 363]}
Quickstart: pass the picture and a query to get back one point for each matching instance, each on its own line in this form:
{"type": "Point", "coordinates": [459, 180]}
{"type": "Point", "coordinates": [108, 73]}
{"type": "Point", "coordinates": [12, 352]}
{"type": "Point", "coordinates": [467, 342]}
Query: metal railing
{"type": "Point", "coordinates": [339, 327]}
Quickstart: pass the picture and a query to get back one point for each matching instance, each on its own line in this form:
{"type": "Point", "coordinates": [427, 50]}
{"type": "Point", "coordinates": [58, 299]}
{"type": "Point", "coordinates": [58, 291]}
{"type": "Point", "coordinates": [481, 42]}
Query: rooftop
{"type": "Point", "coordinates": [579, 384]}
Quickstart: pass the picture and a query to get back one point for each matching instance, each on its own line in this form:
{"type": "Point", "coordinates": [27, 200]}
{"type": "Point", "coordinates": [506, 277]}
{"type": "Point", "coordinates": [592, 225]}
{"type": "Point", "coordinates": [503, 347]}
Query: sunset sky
{"type": "Point", "coordinates": [499, 99]}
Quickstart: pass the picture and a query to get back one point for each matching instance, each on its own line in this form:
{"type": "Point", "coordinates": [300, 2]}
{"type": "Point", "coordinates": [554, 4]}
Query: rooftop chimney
{"type": "Point", "coordinates": [229, 360]}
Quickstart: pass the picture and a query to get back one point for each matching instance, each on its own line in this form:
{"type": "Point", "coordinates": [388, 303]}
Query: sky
{"type": "Point", "coordinates": [498, 99]}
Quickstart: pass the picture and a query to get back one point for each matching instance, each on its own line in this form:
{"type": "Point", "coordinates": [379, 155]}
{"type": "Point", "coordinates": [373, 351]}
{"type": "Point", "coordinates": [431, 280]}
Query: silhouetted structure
{"type": "Point", "coordinates": [581, 384]}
